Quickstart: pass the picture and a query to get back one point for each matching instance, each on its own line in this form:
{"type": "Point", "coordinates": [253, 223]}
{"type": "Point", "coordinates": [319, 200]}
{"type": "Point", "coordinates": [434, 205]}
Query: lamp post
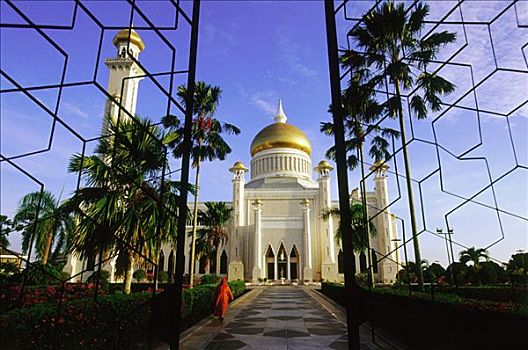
{"type": "Point", "coordinates": [396, 240]}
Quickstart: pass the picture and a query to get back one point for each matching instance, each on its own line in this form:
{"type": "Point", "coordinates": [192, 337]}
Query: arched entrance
{"type": "Point", "coordinates": [282, 263]}
{"type": "Point", "coordinates": [223, 263]}
{"type": "Point", "coordinates": [270, 263]}
{"type": "Point", "coordinates": [294, 263]}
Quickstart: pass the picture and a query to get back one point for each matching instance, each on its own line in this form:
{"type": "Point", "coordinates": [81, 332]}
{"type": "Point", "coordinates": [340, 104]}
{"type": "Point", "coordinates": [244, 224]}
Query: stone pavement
{"type": "Point", "coordinates": [276, 318]}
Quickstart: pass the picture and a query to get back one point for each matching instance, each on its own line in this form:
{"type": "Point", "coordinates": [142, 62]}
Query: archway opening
{"type": "Point", "coordinates": [294, 263]}
{"type": "Point", "coordinates": [270, 263]}
{"type": "Point", "coordinates": [282, 263]}
{"type": "Point", "coordinates": [223, 263]}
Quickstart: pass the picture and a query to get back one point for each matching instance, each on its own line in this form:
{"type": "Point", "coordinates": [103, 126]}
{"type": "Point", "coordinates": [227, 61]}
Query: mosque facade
{"type": "Point", "coordinates": [277, 232]}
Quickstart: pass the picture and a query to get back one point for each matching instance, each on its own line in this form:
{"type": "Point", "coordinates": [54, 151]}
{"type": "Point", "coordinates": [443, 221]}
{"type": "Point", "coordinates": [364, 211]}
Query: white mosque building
{"type": "Point", "coordinates": [277, 232]}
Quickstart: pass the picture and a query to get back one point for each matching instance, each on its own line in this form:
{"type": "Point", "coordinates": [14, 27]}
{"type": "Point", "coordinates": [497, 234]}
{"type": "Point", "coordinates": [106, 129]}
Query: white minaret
{"type": "Point", "coordinates": [387, 268]}
{"type": "Point", "coordinates": [329, 266]}
{"type": "Point", "coordinates": [124, 73]}
{"type": "Point", "coordinates": [236, 266]}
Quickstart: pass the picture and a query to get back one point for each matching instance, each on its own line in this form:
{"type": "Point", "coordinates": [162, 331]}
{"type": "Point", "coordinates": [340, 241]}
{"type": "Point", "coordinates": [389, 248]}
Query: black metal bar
{"type": "Point", "coordinates": [342, 179]}
{"type": "Point", "coordinates": [184, 178]}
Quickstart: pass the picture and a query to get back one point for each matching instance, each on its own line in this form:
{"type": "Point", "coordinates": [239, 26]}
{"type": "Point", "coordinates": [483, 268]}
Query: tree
{"type": "Point", "coordinates": [43, 224]}
{"type": "Point", "coordinates": [457, 273]}
{"type": "Point", "coordinates": [124, 210]}
{"type": "Point", "coordinates": [207, 141]}
{"type": "Point", "coordinates": [474, 255]}
{"type": "Point", "coordinates": [391, 46]}
{"type": "Point", "coordinates": [213, 234]}
{"type": "Point", "coordinates": [361, 120]}
{"type": "Point", "coordinates": [518, 263]}
{"type": "Point", "coordinates": [139, 275]}
{"type": "Point", "coordinates": [6, 227]}
{"type": "Point", "coordinates": [433, 272]}
{"type": "Point", "coordinates": [359, 228]}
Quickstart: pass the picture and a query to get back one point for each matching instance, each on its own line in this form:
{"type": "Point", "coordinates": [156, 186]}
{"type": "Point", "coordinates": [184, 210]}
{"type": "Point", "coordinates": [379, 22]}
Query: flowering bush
{"type": "Point", "coordinates": [10, 295]}
{"type": "Point", "coordinates": [114, 321]}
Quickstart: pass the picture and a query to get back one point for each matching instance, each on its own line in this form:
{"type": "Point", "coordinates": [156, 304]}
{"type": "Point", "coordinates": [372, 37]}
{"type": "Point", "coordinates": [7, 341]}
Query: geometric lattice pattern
{"type": "Point", "coordinates": [53, 87]}
{"type": "Point", "coordinates": [469, 162]}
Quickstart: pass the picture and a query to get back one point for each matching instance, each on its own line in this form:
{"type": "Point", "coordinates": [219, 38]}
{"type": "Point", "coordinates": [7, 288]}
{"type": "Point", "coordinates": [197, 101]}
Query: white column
{"type": "Point", "coordinates": [308, 274]}
{"type": "Point", "coordinates": [276, 266]}
{"type": "Point", "coordinates": [288, 268]}
{"type": "Point", "coordinates": [257, 268]}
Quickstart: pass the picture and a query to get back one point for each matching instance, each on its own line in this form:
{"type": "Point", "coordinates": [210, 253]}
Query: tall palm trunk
{"type": "Point", "coordinates": [47, 248]}
{"type": "Point", "coordinates": [128, 275]}
{"type": "Point", "coordinates": [416, 243]}
{"type": "Point", "coordinates": [195, 218]}
{"type": "Point", "coordinates": [370, 270]}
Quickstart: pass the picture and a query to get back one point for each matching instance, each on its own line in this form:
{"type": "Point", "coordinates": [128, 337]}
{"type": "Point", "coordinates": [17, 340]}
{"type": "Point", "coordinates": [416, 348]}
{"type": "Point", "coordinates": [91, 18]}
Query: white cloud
{"type": "Point", "coordinates": [70, 108]}
{"type": "Point", "coordinates": [266, 106]}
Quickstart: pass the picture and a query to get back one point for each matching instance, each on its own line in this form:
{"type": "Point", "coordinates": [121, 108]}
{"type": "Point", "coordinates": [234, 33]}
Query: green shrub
{"type": "Point", "coordinates": [209, 279]}
{"type": "Point", "coordinates": [139, 275]}
{"type": "Point", "coordinates": [80, 324]}
{"type": "Point", "coordinates": [116, 321]}
{"type": "Point", "coordinates": [163, 276]}
{"type": "Point", "coordinates": [104, 277]}
{"type": "Point", "coordinates": [38, 273]}
{"type": "Point", "coordinates": [238, 287]}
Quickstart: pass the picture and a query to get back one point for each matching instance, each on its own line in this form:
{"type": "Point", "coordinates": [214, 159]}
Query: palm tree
{"type": "Point", "coordinates": [473, 254]}
{"type": "Point", "coordinates": [208, 143]}
{"type": "Point", "coordinates": [393, 49]}
{"type": "Point", "coordinates": [361, 120]}
{"type": "Point", "coordinates": [6, 227]}
{"type": "Point", "coordinates": [213, 234]}
{"type": "Point", "coordinates": [123, 209]}
{"type": "Point", "coordinates": [42, 224]}
{"type": "Point", "coordinates": [359, 227]}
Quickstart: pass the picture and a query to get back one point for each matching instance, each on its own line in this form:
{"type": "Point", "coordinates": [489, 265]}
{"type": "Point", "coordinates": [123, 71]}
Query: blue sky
{"type": "Point", "coordinates": [259, 52]}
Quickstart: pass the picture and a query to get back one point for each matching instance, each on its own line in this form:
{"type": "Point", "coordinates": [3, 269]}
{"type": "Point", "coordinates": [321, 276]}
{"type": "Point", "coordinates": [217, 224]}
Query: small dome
{"type": "Point", "coordinates": [123, 35]}
{"type": "Point", "coordinates": [238, 166]}
{"type": "Point", "coordinates": [280, 135]}
{"type": "Point", "coordinates": [324, 165]}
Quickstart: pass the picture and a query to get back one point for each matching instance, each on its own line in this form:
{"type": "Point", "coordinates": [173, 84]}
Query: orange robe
{"type": "Point", "coordinates": [222, 296]}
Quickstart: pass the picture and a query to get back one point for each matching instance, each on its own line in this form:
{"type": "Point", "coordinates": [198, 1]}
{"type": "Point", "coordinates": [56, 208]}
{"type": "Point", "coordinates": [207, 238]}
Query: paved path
{"type": "Point", "coordinates": [278, 318]}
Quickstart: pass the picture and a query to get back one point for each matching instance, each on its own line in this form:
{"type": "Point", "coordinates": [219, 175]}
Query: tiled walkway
{"type": "Point", "coordinates": [277, 318]}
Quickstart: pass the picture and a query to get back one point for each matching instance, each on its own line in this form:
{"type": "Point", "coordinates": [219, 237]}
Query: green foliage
{"type": "Point", "coordinates": [80, 324]}
{"type": "Point", "coordinates": [139, 275]}
{"type": "Point", "coordinates": [473, 255]}
{"type": "Point", "coordinates": [209, 279]}
{"type": "Point", "coordinates": [359, 227]}
{"type": "Point", "coordinates": [6, 227]}
{"type": "Point", "coordinates": [104, 278]}
{"type": "Point", "coordinates": [518, 263]}
{"type": "Point", "coordinates": [120, 199]}
{"type": "Point", "coordinates": [38, 273]}
{"type": "Point", "coordinates": [457, 273]}
{"type": "Point", "coordinates": [163, 276]}
{"type": "Point", "coordinates": [43, 224]}
{"type": "Point", "coordinates": [238, 287]}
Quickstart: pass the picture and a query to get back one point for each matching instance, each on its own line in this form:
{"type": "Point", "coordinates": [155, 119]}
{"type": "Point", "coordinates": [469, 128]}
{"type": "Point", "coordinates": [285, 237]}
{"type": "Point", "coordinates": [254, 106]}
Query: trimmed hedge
{"type": "Point", "coordinates": [448, 322]}
{"type": "Point", "coordinates": [116, 321]}
{"type": "Point", "coordinates": [113, 321]}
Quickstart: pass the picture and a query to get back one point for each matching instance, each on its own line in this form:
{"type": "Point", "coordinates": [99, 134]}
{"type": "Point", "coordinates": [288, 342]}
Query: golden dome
{"type": "Point", "coordinates": [324, 165]}
{"type": "Point", "coordinates": [278, 135]}
{"type": "Point", "coordinates": [134, 38]}
{"type": "Point", "coordinates": [238, 166]}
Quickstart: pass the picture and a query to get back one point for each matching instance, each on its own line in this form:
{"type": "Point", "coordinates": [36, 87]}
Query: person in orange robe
{"type": "Point", "coordinates": [223, 296]}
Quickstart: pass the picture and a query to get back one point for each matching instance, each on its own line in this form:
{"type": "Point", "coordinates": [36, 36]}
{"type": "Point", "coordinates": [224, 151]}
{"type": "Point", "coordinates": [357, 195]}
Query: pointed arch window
{"type": "Point", "coordinates": [374, 261]}
{"type": "Point", "coordinates": [362, 262]}
{"type": "Point", "coordinates": [223, 262]}
{"type": "Point", "coordinates": [161, 261]}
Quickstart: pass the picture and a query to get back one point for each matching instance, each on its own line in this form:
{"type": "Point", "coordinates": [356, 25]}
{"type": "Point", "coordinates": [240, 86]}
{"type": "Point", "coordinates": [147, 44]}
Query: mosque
{"type": "Point", "coordinates": [276, 232]}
